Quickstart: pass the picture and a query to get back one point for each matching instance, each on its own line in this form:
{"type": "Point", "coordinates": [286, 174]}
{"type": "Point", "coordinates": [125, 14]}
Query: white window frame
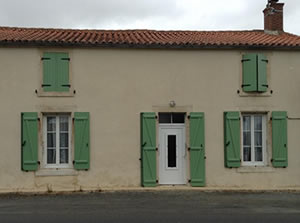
{"type": "Point", "coordinates": [57, 164]}
{"type": "Point", "coordinates": [264, 140]}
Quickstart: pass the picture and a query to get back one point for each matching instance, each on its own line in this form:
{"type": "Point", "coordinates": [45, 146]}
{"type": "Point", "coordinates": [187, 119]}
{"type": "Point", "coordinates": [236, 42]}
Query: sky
{"type": "Point", "coordinates": [144, 14]}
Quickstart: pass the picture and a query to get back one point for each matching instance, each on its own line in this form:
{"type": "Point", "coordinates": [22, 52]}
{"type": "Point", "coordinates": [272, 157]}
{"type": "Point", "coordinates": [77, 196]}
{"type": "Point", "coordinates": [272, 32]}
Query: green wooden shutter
{"type": "Point", "coordinates": [56, 72]}
{"type": "Point", "coordinates": [262, 85]}
{"type": "Point", "coordinates": [29, 141]}
{"type": "Point", "coordinates": [148, 149]}
{"type": "Point", "coordinates": [82, 140]}
{"type": "Point", "coordinates": [197, 149]}
{"type": "Point", "coordinates": [279, 139]}
{"type": "Point", "coordinates": [62, 72]}
{"type": "Point", "coordinates": [49, 72]}
{"type": "Point", "coordinates": [232, 139]}
{"type": "Point", "coordinates": [249, 73]}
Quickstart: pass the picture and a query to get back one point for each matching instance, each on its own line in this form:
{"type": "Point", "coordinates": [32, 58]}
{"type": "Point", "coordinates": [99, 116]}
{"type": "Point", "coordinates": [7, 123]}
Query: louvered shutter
{"type": "Point", "coordinates": [262, 85]}
{"type": "Point", "coordinates": [62, 75]}
{"type": "Point", "coordinates": [279, 139]}
{"type": "Point", "coordinates": [29, 141]}
{"type": "Point", "coordinates": [82, 140]}
{"type": "Point", "coordinates": [249, 73]}
{"type": "Point", "coordinates": [232, 139]}
{"type": "Point", "coordinates": [49, 72]}
{"type": "Point", "coordinates": [197, 149]}
{"type": "Point", "coordinates": [148, 149]}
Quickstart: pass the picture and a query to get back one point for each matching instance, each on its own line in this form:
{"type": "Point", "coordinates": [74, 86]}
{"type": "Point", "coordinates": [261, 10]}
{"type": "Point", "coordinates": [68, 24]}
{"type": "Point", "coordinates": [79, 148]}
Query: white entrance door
{"type": "Point", "coordinates": [172, 154]}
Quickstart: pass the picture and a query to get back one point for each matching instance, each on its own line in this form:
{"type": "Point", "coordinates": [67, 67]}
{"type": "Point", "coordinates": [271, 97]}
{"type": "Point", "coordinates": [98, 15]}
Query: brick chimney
{"type": "Point", "coordinates": [273, 16]}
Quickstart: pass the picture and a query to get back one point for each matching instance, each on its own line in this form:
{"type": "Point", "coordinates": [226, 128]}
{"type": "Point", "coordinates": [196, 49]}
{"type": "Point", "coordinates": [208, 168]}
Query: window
{"type": "Point", "coordinates": [174, 118]}
{"type": "Point", "coordinates": [57, 149]}
{"type": "Point", "coordinates": [253, 139]}
{"type": "Point", "coordinates": [55, 72]}
{"type": "Point", "coordinates": [254, 73]}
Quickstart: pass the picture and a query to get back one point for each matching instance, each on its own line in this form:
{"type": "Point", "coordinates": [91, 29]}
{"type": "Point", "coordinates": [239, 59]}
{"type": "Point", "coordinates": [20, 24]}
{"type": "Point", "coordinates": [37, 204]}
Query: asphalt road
{"type": "Point", "coordinates": [158, 206]}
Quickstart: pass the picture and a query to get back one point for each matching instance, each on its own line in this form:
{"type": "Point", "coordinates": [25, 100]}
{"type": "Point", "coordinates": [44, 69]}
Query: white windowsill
{"type": "Point", "coordinates": [255, 169]}
{"type": "Point", "coordinates": [56, 172]}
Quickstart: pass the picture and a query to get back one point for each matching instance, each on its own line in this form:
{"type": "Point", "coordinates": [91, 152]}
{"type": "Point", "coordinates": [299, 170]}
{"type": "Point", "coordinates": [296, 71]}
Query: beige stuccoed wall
{"type": "Point", "coordinates": [115, 85]}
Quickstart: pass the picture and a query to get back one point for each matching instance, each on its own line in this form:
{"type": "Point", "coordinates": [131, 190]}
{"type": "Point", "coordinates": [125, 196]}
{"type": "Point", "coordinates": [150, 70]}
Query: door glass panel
{"type": "Point", "coordinates": [51, 156]}
{"type": "Point", "coordinates": [258, 123]}
{"type": "Point", "coordinates": [178, 117]}
{"type": "Point", "coordinates": [64, 156]}
{"type": "Point", "coordinates": [247, 153]}
{"type": "Point", "coordinates": [165, 118]}
{"type": "Point", "coordinates": [258, 154]}
{"type": "Point", "coordinates": [171, 150]}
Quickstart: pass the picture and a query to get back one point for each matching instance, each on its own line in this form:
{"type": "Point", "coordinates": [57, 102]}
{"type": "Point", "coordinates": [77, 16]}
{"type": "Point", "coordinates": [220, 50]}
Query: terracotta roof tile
{"type": "Point", "coordinates": [147, 38]}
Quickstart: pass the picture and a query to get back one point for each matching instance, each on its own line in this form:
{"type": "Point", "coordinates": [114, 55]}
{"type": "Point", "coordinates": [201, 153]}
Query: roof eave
{"type": "Point", "coordinates": [145, 46]}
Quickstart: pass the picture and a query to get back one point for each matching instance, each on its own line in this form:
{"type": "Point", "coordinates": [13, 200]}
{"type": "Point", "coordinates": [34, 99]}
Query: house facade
{"type": "Point", "coordinates": [92, 109]}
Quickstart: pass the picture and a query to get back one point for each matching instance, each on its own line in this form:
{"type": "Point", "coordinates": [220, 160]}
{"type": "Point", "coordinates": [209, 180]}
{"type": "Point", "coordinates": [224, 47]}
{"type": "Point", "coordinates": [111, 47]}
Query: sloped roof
{"type": "Point", "coordinates": [147, 38]}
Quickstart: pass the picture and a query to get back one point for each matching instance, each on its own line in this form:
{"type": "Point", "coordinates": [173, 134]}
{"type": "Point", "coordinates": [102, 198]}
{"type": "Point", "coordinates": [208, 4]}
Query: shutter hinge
{"type": "Point", "coordinates": [45, 58]}
{"type": "Point", "coordinates": [46, 85]}
{"type": "Point", "coordinates": [156, 181]}
{"type": "Point", "coordinates": [246, 85]}
{"type": "Point", "coordinates": [265, 85]}
{"type": "Point", "coordinates": [65, 59]}
{"type": "Point", "coordinates": [188, 116]}
{"type": "Point", "coordinates": [271, 118]}
{"type": "Point", "coordinates": [73, 162]}
{"type": "Point", "coordinates": [205, 157]}
{"type": "Point", "coordinates": [140, 159]}
{"type": "Point", "coordinates": [267, 61]}
{"type": "Point", "coordinates": [243, 60]}
{"type": "Point", "coordinates": [66, 85]}
{"type": "Point", "coordinates": [189, 149]}
{"type": "Point", "coordinates": [38, 162]}
{"type": "Point", "coordinates": [271, 160]}
{"type": "Point", "coordinates": [38, 119]}
{"type": "Point", "coordinates": [156, 149]}
{"type": "Point", "coordinates": [156, 117]}
{"type": "Point", "coordinates": [189, 180]}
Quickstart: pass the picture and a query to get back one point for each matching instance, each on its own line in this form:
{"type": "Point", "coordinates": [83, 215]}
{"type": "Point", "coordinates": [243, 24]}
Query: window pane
{"type": "Point", "coordinates": [64, 140]}
{"type": "Point", "coordinates": [178, 117]}
{"type": "Point", "coordinates": [51, 123]}
{"type": "Point", "coordinates": [164, 117]}
{"type": "Point", "coordinates": [51, 156]}
{"type": "Point", "coordinates": [64, 123]}
{"type": "Point", "coordinates": [64, 156]}
{"type": "Point", "coordinates": [246, 123]}
{"type": "Point", "coordinates": [171, 150]}
{"type": "Point", "coordinates": [258, 154]}
{"type": "Point", "coordinates": [258, 138]}
{"type": "Point", "coordinates": [51, 140]}
{"type": "Point", "coordinates": [247, 153]}
{"type": "Point", "coordinates": [247, 138]}
{"type": "Point", "coordinates": [258, 123]}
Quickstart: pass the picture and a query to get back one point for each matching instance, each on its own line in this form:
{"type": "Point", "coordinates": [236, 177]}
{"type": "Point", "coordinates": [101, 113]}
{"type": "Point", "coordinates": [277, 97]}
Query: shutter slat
{"type": "Point", "coordinates": [148, 149]}
{"type": "Point", "coordinates": [29, 141]}
{"type": "Point", "coordinates": [82, 140]}
{"type": "Point", "coordinates": [279, 139]}
{"type": "Point", "coordinates": [197, 151]}
{"type": "Point", "coordinates": [249, 73]}
{"type": "Point", "coordinates": [232, 139]}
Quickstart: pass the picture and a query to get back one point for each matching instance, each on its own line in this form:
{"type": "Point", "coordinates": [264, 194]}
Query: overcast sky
{"type": "Point", "coordinates": [144, 14]}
